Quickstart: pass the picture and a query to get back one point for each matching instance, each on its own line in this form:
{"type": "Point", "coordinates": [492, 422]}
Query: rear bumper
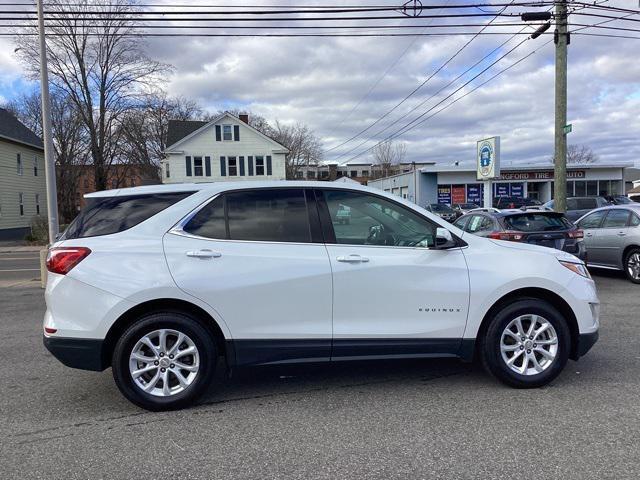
{"type": "Point", "coordinates": [585, 342]}
{"type": "Point", "coordinates": [82, 353]}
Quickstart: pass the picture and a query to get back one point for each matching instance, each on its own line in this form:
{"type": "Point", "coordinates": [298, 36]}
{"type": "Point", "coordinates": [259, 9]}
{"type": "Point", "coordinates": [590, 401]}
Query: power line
{"type": "Point", "coordinates": [277, 35]}
{"type": "Point", "coordinates": [415, 90]}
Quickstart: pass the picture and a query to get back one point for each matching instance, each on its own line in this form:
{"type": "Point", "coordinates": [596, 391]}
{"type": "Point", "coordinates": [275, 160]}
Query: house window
{"type": "Point", "coordinates": [35, 166]}
{"type": "Point", "coordinates": [311, 174]}
{"type": "Point", "coordinates": [19, 164]}
{"type": "Point", "coordinates": [37, 204]}
{"type": "Point", "coordinates": [114, 183]}
{"type": "Point", "coordinates": [227, 132]}
{"type": "Point", "coordinates": [166, 170]}
{"type": "Point", "coordinates": [259, 165]}
{"type": "Point", "coordinates": [353, 173]}
{"type": "Point", "coordinates": [299, 174]}
{"type": "Point", "coordinates": [324, 174]}
{"type": "Point", "coordinates": [21, 201]}
{"type": "Point", "coordinates": [197, 166]}
{"type": "Point", "coordinates": [365, 173]}
{"type": "Point", "coordinates": [233, 166]}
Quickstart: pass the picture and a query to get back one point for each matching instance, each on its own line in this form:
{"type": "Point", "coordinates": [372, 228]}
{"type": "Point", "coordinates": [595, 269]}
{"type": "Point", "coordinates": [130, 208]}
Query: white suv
{"type": "Point", "coordinates": [163, 282]}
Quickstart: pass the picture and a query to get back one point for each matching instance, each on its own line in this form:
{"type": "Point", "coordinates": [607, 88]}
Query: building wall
{"type": "Point", "coordinates": [205, 144]}
{"type": "Point", "coordinates": [12, 184]}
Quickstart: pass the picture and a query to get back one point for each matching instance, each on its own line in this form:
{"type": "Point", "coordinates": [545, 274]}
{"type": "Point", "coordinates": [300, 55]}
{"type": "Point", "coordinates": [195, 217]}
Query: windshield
{"type": "Point", "coordinates": [440, 208]}
{"type": "Point", "coordinates": [536, 222]}
{"type": "Point", "coordinates": [623, 200]}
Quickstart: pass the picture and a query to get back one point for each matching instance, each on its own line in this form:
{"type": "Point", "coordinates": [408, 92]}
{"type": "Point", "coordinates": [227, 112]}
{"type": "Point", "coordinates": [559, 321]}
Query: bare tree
{"type": "Point", "coordinates": [101, 69]}
{"type": "Point", "coordinates": [387, 154]}
{"type": "Point", "coordinates": [69, 143]}
{"type": "Point", "coordinates": [303, 145]}
{"type": "Point", "coordinates": [144, 130]}
{"type": "Point", "coordinates": [580, 154]}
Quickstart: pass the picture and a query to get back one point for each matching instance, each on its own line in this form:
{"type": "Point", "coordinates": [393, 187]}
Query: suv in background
{"type": "Point", "coordinates": [544, 228]}
{"type": "Point", "coordinates": [514, 202]}
{"type": "Point", "coordinates": [462, 208]}
{"type": "Point", "coordinates": [579, 206]}
{"type": "Point", "coordinates": [442, 210]}
{"type": "Point", "coordinates": [163, 283]}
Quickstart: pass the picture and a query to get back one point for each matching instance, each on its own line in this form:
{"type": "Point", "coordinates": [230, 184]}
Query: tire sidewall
{"type": "Point", "coordinates": [175, 321]}
{"type": "Point", "coordinates": [626, 261]}
{"type": "Point", "coordinates": [492, 357]}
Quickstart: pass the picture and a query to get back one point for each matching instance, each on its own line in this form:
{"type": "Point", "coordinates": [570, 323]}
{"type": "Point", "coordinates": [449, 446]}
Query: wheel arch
{"type": "Point", "coordinates": [535, 293]}
{"type": "Point", "coordinates": [166, 305]}
{"type": "Point", "coordinates": [626, 251]}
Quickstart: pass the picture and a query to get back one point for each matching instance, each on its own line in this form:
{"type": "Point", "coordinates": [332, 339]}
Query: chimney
{"type": "Point", "coordinates": [244, 117]}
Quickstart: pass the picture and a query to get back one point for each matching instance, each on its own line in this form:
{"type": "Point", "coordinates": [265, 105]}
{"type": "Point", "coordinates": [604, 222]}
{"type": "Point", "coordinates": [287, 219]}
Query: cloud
{"type": "Point", "coordinates": [322, 82]}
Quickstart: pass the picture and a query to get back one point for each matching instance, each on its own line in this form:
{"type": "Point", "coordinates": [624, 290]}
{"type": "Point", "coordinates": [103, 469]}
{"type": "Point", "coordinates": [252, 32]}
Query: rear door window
{"type": "Point", "coordinates": [209, 222]}
{"type": "Point", "coordinates": [107, 215]}
{"type": "Point", "coordinates": [536, 222]}
{"type": "Point", "coordinates": [586, 203]}
{"type": "Point", "coordinates": [277, 215]}
{"type": "Point", "coordinates": [616, 219]}
{"type": "Point", "coordinates": [592, 220]}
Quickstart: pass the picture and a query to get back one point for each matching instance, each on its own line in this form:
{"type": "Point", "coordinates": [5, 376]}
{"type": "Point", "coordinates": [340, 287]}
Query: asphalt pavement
{"type": "Point", "coordinates": [398, 419]}
{"type": "Point", "coordinates": [19, 265]}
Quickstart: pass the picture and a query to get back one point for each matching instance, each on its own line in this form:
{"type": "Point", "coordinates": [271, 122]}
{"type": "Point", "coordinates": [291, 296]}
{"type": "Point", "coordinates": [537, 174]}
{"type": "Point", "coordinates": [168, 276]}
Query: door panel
{"type": "Point", "coordinates": [275, 297]}
{"type": "Point", "coordinates": [393, 294]}
{"type": "Point", "coordinates": [611, 237]}
{"type": "Point", "coordinates": [590, 226]}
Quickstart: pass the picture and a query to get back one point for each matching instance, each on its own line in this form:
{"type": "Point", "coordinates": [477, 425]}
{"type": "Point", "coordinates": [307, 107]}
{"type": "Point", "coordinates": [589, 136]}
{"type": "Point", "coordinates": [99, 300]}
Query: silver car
{"type": "Point", "coordinates": [612, 238]}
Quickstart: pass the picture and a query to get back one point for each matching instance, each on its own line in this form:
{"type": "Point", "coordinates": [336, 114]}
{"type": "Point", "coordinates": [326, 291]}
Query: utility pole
{"type": "Point", "coordinates": [49, 156]}
{"type": "Point", "coordinates": [561, 38]}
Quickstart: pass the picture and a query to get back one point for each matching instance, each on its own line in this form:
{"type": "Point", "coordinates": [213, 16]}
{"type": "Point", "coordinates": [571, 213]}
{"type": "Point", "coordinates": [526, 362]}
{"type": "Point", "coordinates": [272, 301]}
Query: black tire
{"type": "Point", "coordinates": [490, 352]}
{"type": "Point", "coordinates": [626, 263]}
{"type": "Point", "coordinates": [184, 323]}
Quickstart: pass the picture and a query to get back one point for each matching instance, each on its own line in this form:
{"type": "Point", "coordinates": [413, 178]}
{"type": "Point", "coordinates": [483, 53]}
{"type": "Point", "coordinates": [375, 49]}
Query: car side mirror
{"type": "Point", "coordinates": [444, 239]}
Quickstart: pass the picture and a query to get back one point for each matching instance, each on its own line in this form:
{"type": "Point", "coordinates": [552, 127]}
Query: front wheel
{"type": "Point", "coordinates": [164, 361]}
{"type": "Point", "coordinates": [526, 344]}
{"type": "Point", "coordinates": [632, 265]}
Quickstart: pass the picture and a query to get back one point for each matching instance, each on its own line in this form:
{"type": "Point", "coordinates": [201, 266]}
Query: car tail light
{"type": "Point", "coordinates": [50, 330]}
{"type": "Point", "coordinates": [508, 235]}
{"type": "Point", "coordinates": [576, 234]}
{"type": "Point", "coordinates": [62, 259]}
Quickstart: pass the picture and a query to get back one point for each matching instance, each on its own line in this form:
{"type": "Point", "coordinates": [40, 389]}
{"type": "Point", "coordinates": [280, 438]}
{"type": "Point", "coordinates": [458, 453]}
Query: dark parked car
{"type": "Point", "coordinates": [579, 206]}
{"type": "Point", "coordinates": [618, 200]}
{"type": "Point", "coordinates": [514, 202]}
{"type": "Point", "coordinates": [443, 211]}
{"type": "Point", "coordinates": [544, 228]}
{"type": "Point", "coordinates": [462, 208]}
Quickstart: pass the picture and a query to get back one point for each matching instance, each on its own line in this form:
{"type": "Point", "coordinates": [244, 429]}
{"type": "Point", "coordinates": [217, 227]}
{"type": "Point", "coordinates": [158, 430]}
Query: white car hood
{"type": "Point", "coordinates": [559, 254]}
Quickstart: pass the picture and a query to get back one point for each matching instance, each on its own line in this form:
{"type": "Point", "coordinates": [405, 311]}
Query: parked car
{"type": "Point", "coordinates": [612, 238]}
{"type": "Point", "coordinates": [162, 282]}
{"type": "Point", "coordinates": [462, 208]}
{"type": "Point", "coordinates": [514, 202]}
{"type": "Point", "coordinates": [544, 228]}
{"type": "Point", "coordinates": [579, 206]}
{"type": "Point", "coordinates": [618, 199]}
{"type": "Point", "coordinates": [442, 210]}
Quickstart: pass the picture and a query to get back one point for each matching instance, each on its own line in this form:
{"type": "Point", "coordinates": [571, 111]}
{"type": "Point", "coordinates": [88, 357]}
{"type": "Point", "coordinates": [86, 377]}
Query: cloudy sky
{"type": "Point", "coordinates": [340, 86]}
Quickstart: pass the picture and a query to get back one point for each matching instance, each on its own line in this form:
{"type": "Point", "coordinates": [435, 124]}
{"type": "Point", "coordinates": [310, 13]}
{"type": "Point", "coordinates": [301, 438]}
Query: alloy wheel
{"type": "Point", "coordinates": [529, 344]}
{"type": "Point", "coordinates": [164, 362]}
{"type": "Point", "coordinates": [633, 265]}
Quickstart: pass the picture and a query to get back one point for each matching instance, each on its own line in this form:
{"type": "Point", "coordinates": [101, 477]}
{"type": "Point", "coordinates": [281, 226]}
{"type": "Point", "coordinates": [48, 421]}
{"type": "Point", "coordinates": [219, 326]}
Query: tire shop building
{"type": "Point", "coordinates": [458, 184]}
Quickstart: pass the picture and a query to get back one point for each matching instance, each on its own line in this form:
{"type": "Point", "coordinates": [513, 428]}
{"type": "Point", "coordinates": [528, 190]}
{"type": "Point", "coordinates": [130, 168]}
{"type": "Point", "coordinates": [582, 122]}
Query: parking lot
{"type": "Point", "coordinates": [399, 419]}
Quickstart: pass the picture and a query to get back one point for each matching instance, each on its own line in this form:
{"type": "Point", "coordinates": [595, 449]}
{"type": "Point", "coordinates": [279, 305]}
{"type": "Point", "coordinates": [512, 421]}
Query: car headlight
{"type": "Point", "coordinates": [578, 268]}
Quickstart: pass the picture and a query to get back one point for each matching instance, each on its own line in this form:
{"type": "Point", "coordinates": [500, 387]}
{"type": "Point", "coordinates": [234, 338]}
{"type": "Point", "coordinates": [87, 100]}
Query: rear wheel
{"type": "Point", "coordinates": [632, 265]}
{"type": "Point", "coordinates": [526, 344]}
{"type": "Point", "coordinates": [164, 361]}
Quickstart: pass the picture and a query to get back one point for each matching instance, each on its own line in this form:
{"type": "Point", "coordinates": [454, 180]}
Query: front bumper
{"type": "Point", "coordinates": [585, 342]}
{"type": "Point", "coordinates": [82, 353]}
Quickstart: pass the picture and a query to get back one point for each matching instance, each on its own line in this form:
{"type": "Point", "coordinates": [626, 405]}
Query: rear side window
{"type": "Point", "coordinates": [592, 220]}
{"type": "Point", "coordinates": [536, 222]}
{"type": "Point", "coordinates": [209, 221]}
{"type": "Point", "coordinates": [586, 203]}
{"type": "Point", "coordinates": [107, 215]}
{"type": "Point", "coordinates": [616, 219]}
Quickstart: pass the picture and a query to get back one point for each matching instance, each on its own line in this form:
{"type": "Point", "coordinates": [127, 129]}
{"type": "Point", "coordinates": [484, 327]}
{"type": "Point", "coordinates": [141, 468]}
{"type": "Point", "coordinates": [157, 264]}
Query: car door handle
{"type": "Point", "coordinates": [588, 234]}
{"type": "Point", "coordinates": [352, 259]}
{"type": "Point", "coordinates": [622, 234]}
{"type": "Point", "coordinates": [204, 254]}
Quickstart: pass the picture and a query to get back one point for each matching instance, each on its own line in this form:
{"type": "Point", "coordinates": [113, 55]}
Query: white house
{"type": "Point", "coordinates": [225, 149]}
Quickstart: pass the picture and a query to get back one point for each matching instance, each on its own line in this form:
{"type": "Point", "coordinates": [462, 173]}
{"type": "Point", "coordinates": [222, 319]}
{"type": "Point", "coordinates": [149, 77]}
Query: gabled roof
{"type": "Point", "coordinates": [178, 129]}
{"type": "Point", "coordinates": [14, 130]}
{"type": "Point", "coordinates": [197, 126]}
